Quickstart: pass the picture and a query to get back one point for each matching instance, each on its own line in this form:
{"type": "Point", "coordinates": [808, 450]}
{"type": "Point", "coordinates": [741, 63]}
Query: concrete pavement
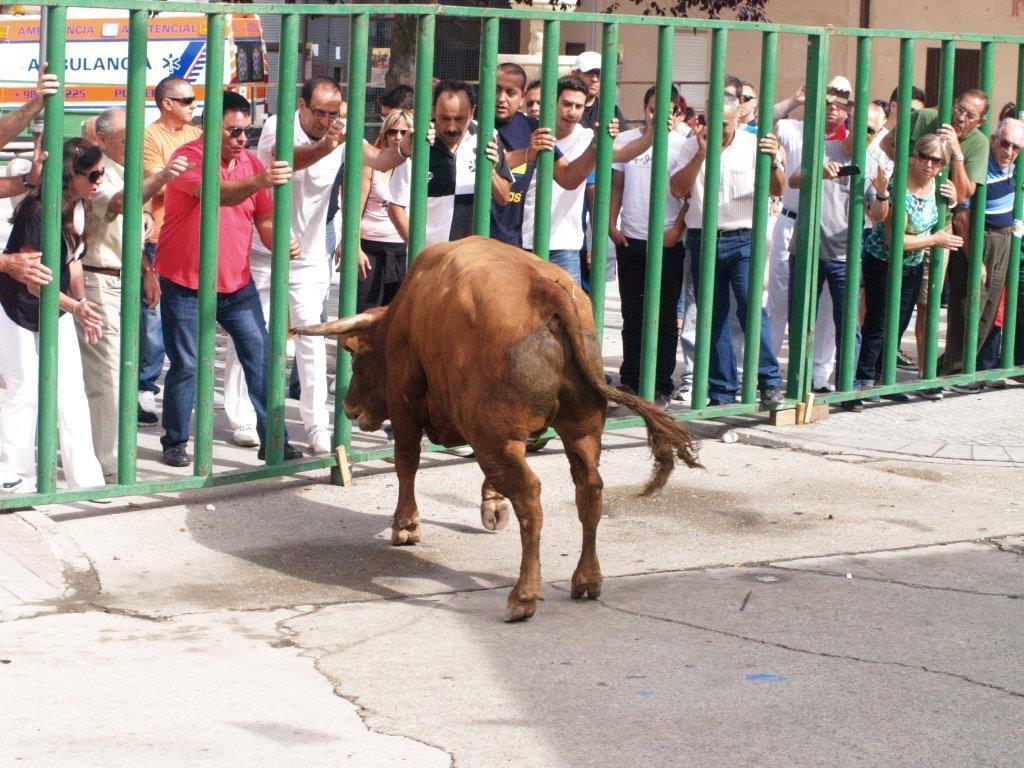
{"type": "Point", "coordinates": [781, 607]}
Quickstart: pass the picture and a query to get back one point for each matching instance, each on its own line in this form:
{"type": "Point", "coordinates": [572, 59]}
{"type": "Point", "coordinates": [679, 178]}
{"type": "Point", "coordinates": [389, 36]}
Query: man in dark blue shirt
{"type": "Point", "coordinates": [514, 132]}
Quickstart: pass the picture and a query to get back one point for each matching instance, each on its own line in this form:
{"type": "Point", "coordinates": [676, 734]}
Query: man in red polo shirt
{"type": "Point", "coordinates": [245, 202]}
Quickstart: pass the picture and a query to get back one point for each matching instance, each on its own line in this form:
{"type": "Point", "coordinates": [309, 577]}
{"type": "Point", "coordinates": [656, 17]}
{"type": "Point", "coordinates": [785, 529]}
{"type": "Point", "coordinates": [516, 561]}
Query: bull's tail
{"type": "Point", "coordinates": [666, 437]}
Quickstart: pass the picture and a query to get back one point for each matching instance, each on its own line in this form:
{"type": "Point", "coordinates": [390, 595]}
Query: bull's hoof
{"type": "Point", "coordinates": [401, 537]}
{"type": "Point", "coordinates": [586, 586]}
{"type": "Point", "coordinates": [494, 514]}
{"type": "Point", "coordinates": [522, 604]}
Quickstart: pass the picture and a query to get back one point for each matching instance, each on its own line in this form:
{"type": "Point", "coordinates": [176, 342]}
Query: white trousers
{"type": "Point", "coordinates": [19, 360]}
{"type": "Point", "coordinates": [305, 302]}
{"type": "Point", "coordinates": [777, 305]}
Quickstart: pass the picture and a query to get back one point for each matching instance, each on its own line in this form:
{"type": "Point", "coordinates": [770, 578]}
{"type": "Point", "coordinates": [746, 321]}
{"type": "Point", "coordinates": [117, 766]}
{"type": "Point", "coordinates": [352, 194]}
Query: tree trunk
{"type": "Point", "coordinates": [402, 65]}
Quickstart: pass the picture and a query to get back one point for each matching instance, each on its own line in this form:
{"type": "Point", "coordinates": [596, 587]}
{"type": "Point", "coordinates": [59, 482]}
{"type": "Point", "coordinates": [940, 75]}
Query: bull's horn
{"type": "Point", "coordinates": [339, 326]}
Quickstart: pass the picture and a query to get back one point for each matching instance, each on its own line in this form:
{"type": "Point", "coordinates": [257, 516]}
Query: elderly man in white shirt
{"type": "Point", "coordinates": [732, 260]}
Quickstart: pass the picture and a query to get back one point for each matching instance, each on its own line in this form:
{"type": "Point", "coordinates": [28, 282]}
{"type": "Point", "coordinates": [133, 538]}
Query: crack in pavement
{"type": "Point", "coordinates": [806, 651]}
{"type": "Point", "coordinates": [1002, 546]}
{"type": "Point", "coordinates": [881, 579]}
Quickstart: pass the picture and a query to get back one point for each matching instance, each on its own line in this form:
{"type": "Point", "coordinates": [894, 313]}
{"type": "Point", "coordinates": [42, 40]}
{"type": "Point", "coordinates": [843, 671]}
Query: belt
{"type": "Point", "coordinates": [733, 232]}
{"type": "Point", "coordinates": [789, 213]}
{"type": "Point", "coordinates": [999, 230]}
{"type": "Point", "coordinates": [102, 270]}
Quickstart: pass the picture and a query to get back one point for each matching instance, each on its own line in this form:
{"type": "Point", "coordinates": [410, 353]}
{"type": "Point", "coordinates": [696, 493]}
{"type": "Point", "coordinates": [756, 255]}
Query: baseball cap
{"type": "Point", "coordinates": [839, 90]}
{"type": "Point", "coordinates": [588, 61]}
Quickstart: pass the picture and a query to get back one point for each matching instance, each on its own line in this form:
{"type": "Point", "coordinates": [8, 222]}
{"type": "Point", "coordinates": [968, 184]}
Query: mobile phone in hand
{"type": "Point", "coordinates": [847, 170]}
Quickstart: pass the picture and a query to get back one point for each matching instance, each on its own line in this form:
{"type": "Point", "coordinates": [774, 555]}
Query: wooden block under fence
{"type": "Point", "coordinates": [819, 412]}
{"type": "Point", "coordinates": [344, 470]}
{"type": "Point", "coordinates": [782, 417]}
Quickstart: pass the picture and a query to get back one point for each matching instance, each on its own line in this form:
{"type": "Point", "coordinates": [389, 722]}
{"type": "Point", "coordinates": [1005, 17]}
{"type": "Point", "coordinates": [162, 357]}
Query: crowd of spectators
{"type": "Point", "coordinates": [92, 251]}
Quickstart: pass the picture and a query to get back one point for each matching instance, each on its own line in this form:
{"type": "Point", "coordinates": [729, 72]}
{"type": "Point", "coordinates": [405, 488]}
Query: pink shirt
{"type": "Point", "coordinates": [177, 252]}
{"type": "Point", "coordinates": [376, 224]}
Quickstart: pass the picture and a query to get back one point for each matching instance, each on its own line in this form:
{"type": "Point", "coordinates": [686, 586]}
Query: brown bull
{"type": "Point", "coordinates": [488, 345]}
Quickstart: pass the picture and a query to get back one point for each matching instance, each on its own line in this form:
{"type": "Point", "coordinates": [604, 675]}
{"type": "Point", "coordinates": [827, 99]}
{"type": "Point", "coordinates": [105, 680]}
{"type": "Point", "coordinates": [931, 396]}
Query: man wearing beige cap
{"type": "Point", "coordinates": [791, 133]}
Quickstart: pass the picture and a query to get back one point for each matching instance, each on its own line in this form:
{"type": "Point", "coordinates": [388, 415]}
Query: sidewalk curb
{"type": "Point", "coordinates": [64, 548]}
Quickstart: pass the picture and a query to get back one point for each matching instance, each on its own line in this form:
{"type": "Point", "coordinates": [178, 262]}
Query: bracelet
{"type": "Point", "coordinates": [956, 159]}
{"type": "Point", "coordinates": [880, 199]}
{"type": "Point", "coordinates": [26, 183]}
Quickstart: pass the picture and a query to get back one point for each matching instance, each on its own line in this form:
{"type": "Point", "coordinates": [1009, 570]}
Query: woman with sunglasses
{"type": "Point", "coordinates": [930, 155]}
{"type": "Point", "coordinates": [19, 328]}
{"type": "Point", "coordinates": [382, 250]}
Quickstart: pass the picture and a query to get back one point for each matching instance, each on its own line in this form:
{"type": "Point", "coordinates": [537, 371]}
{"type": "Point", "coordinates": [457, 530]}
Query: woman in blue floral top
{"type": "Point", "coordinates": [930, 155]}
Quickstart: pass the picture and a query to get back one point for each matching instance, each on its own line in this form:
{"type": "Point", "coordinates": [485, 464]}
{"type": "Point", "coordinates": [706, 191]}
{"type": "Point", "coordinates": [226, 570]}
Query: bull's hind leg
{"type": "Point", "coordinates": [506, 469]}
{"type": "Point", "coordinates": [493, 508]}
{"type": "Point", "coordinates": [405, 528]}
{"type": "Point", "coordinates": [583, 452]}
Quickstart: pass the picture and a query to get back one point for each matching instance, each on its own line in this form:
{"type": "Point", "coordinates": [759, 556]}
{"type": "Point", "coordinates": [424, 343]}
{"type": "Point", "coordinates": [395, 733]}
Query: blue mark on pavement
{"type": "Point", "coordinates": [645, 694]}
{"type": "Point", "coordinates": [764, 677]}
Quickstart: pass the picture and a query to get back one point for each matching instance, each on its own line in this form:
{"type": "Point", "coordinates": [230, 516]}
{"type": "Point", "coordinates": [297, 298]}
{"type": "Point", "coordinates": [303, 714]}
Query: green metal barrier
{"type": "Point", "coordinates": [807, 235]}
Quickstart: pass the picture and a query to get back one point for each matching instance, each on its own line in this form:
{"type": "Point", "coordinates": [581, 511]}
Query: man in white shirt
{"type": "Point", "coordinates": [319, 154]}
{"type": "Point", "coordinates": [732, 260]}
{"type": "Point", "coordinates": [630, 201]}
{"type": "Point", "coordinates": [451, 170]}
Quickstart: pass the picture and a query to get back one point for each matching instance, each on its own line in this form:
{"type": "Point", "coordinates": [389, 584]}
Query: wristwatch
{"type": "Point", "coordinates": [27, 184]}
{"type": "Point", "coordinates": [956, 159]}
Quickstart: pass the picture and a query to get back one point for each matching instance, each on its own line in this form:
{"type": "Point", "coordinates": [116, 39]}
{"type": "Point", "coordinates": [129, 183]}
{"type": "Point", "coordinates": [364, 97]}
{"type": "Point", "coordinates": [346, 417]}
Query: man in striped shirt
{"type": "Point", "coordinates": [1004, 148]}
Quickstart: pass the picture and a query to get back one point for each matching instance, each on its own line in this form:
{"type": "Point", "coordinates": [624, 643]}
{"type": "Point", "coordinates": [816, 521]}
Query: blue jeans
{"type": "Point", "coordinates": [732, 271]}
{"type": "Point", "coordinates": [151, 341]}
{"type": "Point", "coordinates": [989, 352]}
{"type": "Point", "coordinates": [241, 316]}
{"type": "Point", "coordinates": [834, 274]}
{"type": "Point", "coordinates": [569, 260]}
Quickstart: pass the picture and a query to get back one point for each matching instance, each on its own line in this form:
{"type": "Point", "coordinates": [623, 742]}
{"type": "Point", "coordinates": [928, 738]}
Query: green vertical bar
{"type": "Point", "coordinates": [937, 256]}
{"type": "Point", "coordinates": [709, 220]}
{"type": "Point", "coordinates": [485, 125]}
{"type": "Point", "coordinates": [603, 184]}
{"type": "Point", "coordinates": [891, 341]}
{"type": "Point", "coordinates": [1010, 318]}
{"type": "Point", "coordinates": [209, 223]}
{"type": "Point", "coordinates": [49, 295]}
{"type": "Point", "coordinates": [357, 65]}
{"type": "Point", "coordinates": [546, 160]}
{"type": "Point", "coordinates": [801, 319]}
{"type": "Point", "coordinates": [759, 235]}
{"type": "Point", "coordinates": [284, 149]}
{"type": "Point", "coordinates": [131, 249]}
{"type": "Point", "coordinates": [855, 225]}
{"type": "Point", "coordinates": [973, 312]}
{"type": "Point", "coordinates": [421, 124]}
{"type": "Point", "coordinates": [656, 212]}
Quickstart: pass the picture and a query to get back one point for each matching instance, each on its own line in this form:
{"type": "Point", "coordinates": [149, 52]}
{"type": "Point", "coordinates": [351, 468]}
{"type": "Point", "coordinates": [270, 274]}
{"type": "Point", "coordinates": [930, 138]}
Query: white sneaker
{"type": "Point", "coordinates": [320, 441]}
{"type": "Point", "coordinates": [147, 401]}
{"type": "Point", "coordinates": [246, 436]}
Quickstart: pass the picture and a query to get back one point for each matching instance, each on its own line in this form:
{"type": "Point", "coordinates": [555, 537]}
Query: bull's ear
{"type": "Point", "coordinates": [358, 343]}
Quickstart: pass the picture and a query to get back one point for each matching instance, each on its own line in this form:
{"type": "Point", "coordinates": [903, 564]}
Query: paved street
{"type": "Point", "coordinates": [790, 605]}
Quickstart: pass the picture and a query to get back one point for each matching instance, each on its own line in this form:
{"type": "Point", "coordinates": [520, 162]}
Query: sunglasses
{"type": "Point", "coordinates": [396, 131]}
{"type": "Point", "coordinates": [235, 131]}
{"type": "Point", "coordinates": [93, 176]}
{"type": "Point", "coordinates": [924, 157]}
{"type": "Point", "coordinates": [1007, 144]}
{"type": "Point", "coordinates": [871, 131]}
{"type": "Point", "coordinates": [184, 100]}
{"type": "Point", "coordinates": [745, 99]}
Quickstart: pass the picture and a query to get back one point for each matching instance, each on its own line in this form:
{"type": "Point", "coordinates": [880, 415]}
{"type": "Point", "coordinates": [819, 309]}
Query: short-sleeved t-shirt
{"type": "Point", "coordinates": [592, 113]}
{"type": "Point", "coordinates": [177, 252]}
{"type": "Point", "coordinates": [158, 144]}
{"type": "Point", "coordinates": [636, 186]}
{"type": "Point", "coordinates": [507, 220]}
{"type": "Point", "coordinates": [566, 204]}
{"type": "Point", "coordinates": [922, 216]}
{"type": "Point", "coordinates": [1000, 193]}
{"type": "Point", "coordinates": [27, 233]}
{"type": "Point", "coordinates": [974, 145]}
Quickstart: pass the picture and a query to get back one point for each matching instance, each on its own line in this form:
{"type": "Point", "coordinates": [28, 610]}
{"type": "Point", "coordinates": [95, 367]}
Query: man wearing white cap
{"type": "Point", "coordinates": [587, 68]}
{"type": "Point", "coordinates": [791, 133]}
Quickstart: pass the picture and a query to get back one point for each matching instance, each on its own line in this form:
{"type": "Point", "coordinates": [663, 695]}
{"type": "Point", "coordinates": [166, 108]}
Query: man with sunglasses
{"type": "Point", "coordinates": [175, 99]}
{"type": "Point", "coordinates": [1004, 150]}
{"type": "Point", "coordinates": [245, 202]}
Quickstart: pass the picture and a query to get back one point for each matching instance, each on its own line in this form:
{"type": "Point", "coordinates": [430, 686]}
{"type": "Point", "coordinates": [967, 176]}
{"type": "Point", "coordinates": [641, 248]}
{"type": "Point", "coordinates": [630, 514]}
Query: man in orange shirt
{"type": "Point", "coordinates": [175, 99]}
